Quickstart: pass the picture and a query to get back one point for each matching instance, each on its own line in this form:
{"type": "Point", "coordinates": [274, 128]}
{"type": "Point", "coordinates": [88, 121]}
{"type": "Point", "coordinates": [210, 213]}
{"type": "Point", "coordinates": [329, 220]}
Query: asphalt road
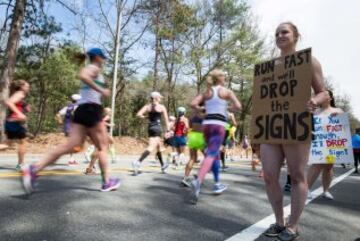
{"type": "Point", "coordinates": [154, 207]}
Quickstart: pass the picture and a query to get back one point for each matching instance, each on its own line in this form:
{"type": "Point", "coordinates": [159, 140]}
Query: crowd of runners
{"type": "Point", "coordinates": [206, 128]}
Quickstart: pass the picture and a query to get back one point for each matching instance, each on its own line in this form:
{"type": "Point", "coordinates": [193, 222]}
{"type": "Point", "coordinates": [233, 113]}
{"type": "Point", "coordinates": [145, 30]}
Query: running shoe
{"type": "Point", "coordinates": [195, 191]}
{"type": "Point", "coordinates": [111, 185]}
{"type": "Point", "coordinates": [90, 171]}
{"type": "Point", "coordinates": [72, 163]}
{"type": "Point", "coordinates": [186, 181]}
{"type": "Point", "coordinates": [287, 187]}
{"type": "Point", "coordinates": [288, 235]}
{"type": "Point", "coordinates": [29, 178]}
{"type": "Point", "coordinates": [136, 167]}
{"type": "Point", "coordinates": [261, 173]}
{"type": "Point", "coordinates": [356, 171]}
{"type": "Point", "coordinates": [309, 195]}
{"type": "Point", "coordinates": [274, 230]}
{"type": "Point", "coordinates": [164, 167]}
{"type": "Point", "coordinates": [219, 188]}
{"type": "Point", "coordinates": [18, 167]}
{"type": "Point", "coordinates": [328, 195]}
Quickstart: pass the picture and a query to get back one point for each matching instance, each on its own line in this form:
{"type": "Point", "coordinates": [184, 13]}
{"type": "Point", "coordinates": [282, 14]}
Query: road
{"type": "Point", "coordinates": [154, 207]}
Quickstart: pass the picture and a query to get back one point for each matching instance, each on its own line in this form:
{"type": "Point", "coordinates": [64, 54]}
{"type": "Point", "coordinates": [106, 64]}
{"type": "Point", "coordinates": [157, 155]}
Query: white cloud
{"type": "Point", "coordinates": [330, 27]}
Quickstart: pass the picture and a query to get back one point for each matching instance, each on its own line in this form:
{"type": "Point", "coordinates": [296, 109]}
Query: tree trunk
{"type": "Point", "coordinates": [157, 46]}
{"type": "Point", "coordinates": [10, 57]}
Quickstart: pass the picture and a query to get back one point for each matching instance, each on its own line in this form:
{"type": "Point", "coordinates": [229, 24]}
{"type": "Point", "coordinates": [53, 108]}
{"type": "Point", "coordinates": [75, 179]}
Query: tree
{"type": "Point", "coordinates": [10, 57]}
{"type": "Point", "coordinates": [239, 61]}
{"type": "Point", "coordinates": [179, 21]}
{"type": "Point", "coordinates": [52, 79]}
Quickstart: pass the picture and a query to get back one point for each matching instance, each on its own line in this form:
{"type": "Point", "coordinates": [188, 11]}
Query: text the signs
{"type": "Point", "coordinates": [281, 90]}
{"type": "Point", "coordinates": [332, 140]}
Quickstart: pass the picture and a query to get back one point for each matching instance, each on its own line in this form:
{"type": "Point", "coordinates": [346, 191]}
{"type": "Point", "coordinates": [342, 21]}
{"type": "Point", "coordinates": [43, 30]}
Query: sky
{"type": "Point", "coordinates": [330, 27]}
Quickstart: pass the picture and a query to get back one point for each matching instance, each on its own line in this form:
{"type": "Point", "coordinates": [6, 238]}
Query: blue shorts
{"type": "Point", "coordinates": [179, 141]}
{"type": "Point", "coordinates": [15, 130]}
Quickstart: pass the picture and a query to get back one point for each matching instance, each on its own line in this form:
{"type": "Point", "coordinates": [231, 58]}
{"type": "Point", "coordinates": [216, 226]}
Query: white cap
{"type": "Point", "coordinates": [181, 109]}
{"type": "Point", "coordinates": [76, 97]}
{"type": "Point", "coordinates": [155, 94]}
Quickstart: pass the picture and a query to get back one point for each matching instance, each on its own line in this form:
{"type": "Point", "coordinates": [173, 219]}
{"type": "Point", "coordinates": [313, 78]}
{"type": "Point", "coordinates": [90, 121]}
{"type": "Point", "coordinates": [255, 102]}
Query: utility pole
{"type": "Point", "coordinates": [116, 62]}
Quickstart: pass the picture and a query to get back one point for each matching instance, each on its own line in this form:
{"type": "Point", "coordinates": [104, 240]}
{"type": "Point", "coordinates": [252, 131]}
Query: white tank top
{"type": "Point", "coordinates": [88, 94]}
{"type": "Point", "coordinates": [216, 106]}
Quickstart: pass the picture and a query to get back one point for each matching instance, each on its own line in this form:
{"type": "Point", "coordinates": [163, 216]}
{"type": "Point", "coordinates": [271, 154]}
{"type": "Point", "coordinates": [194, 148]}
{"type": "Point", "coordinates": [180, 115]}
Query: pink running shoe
{"type": "Point", "coordinates": [111, 185]}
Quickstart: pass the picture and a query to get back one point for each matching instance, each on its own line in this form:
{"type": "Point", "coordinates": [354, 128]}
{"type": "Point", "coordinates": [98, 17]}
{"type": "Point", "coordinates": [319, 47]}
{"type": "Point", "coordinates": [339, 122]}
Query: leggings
{"type": "Point", "coordinates": [216, 170]}
{"type": "Point", "coordinates": [214, 136]}
{"type": "Point", "coordinates": [356, 158]}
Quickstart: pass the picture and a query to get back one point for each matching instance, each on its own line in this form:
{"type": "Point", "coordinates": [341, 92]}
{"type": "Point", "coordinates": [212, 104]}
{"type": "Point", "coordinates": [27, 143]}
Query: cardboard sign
{"type": "Point", "coordinates": [282, 88]}
{"type": "Point", "coordinates": [332, 140]}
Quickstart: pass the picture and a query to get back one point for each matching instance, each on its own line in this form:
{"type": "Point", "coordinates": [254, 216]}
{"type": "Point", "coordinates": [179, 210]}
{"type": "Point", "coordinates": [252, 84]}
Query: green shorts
{"type": "Point", "coordinates": [196, 140]}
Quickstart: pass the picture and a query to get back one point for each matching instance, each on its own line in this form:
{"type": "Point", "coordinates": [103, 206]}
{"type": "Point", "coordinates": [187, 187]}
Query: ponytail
{"type": "Point", "coordinates": [215, 76]}
{"type": "Point", "coordinates": [16, 85]}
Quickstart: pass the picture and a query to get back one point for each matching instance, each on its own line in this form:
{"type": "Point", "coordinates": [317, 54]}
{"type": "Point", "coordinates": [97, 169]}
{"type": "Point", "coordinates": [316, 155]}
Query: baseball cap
{"type": "Point", "coordinates": [96, 52]}
{"type": "Point", "coordinates": [181, 109]}
{"type": "Point", "coordinates": [76, 97]}
{"type": "Point", "coordinates": [155, 94]}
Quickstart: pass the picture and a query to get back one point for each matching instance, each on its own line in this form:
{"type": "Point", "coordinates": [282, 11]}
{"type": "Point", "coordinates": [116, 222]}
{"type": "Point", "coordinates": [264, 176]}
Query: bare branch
{"type": "Point", "coordinates": [106, 19]}
{"type": "Point", "coordinates": [67, 7]}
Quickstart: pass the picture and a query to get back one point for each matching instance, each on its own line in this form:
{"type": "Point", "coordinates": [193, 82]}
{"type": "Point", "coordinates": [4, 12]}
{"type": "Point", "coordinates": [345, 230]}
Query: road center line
{"type": "Point", "coordinates": [254, 231]}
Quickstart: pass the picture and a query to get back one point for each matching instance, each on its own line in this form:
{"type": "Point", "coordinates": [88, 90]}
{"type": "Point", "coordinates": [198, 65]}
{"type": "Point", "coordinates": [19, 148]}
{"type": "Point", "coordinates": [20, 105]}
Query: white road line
{"type": "Point", "coordinates": [254, 231]}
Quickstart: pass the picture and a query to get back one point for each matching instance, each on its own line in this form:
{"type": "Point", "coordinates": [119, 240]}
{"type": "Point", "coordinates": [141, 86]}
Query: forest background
{"type": "Point", "coordinates": [165, 45]}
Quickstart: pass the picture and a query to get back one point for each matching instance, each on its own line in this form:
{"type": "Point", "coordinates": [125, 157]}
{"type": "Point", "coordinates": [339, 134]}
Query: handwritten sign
{"type": "Point", "coordinates": [332, 140]}
{"type": "Point", "coordinates": [282, 87]}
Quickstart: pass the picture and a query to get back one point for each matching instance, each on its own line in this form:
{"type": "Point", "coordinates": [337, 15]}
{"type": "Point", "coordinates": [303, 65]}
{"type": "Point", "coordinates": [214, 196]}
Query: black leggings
{"type": "Point", "coordinates": [356, 159]}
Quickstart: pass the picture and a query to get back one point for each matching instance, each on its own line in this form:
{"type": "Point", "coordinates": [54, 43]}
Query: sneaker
{"type": "Point", "coordinates": [288, 235]}
{"type": "Point", "coordinates": [18, 167]}
{"type": "Point", "coordinates": [343, 165]}
{"type": "Point", "coordinates": [90, 171]}
{"type": "Point", "coordinates": [186, 181]}
{"type": "Point", "coordinates": [164, 167]}
{"type": "Point", "coordinates": [274, 230]}
{"type": "Point", "coordinates": [309, 195]}
{"type": "Point", "coordinates": [195, 191]}
{"type": "Point", "coordinates": [29, 178]}
{"type": "Point", "coordinates": [219, 188]}
{"type": "Point", "coordinates": [328, 195]}
{"type": "Point", "coordinates": [356, 171]}
{"type": "Point", "coordinates": [287, 187]}
{"type": "Point", "coordinates": [111, 185]}
{"type": "Point", "coordinates": [72, 163]}
{"type": "Point", "coordinates": [261, 173]}
{"type": "Point", "coordinates": [136, 166]}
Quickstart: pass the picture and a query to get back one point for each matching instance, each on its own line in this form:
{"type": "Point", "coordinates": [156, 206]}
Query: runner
{"type": "Point", "coordinates": [296, 155]}
{"type": "Point", "coordinates": [107, 120]}
{"type": "Point", "coordinates": [245, 146]}
{"type": "Point", "coordinates": [197, 143]}
{"type": "Point", "coordinates": [15, 124]}
{"type": "Point", "coordinates": [356, 147]}
{"type": "Point", "coordinates": [230, 123]}
{"type": "Point", "coordinates": [169, 140]}
{"type": "Point", "coordinates": [90, 170]}
{"type": "Point", "coordinates": [180, 130]}
{"type": "Point", "coordinates": [327, 108]}
{"type": "Point", "coordinates": [230, 145]}
{"type": "Point", "coordinates": [87, 121]}
{"type": "Point", "coordinates": [154, 110]}
{"type": "Point", "coordinates": [64, 116]}
{"type": "Point", "coordinates": [255, 158]}
{"type": "Point", "coordinates": [216, 99]}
